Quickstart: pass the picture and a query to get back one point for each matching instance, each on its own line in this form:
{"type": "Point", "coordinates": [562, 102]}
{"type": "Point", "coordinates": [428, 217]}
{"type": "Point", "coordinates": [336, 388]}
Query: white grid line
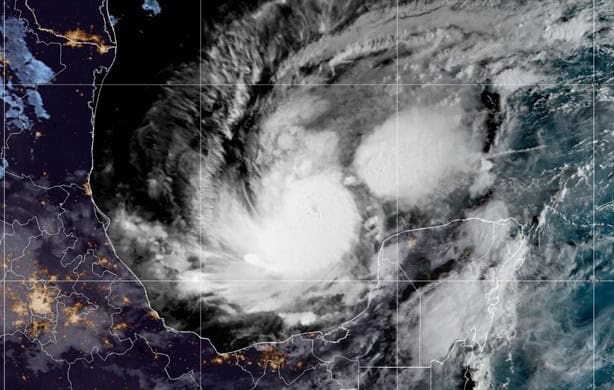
{"type": "Point", "coordinates": [366, 281]}
{"type": "Point", "coordinates": [593, 189]}
{"type": "Point", "coordinates": [397, 192]}
{"type": "Point", "coordinates": [393, 367]}
{"type": "Point", "coordinates": [200, 186]}
{"type": "Point", "coordinates": [178, 85]}
{"type": "Point", "coordinates": [4, 261]}
{"type": "Point", "coordinates": [593, 234]}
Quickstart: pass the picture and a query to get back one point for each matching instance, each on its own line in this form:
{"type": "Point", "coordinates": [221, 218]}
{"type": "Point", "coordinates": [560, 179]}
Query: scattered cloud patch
{"type": "Point", "coordinates": [152, 6]}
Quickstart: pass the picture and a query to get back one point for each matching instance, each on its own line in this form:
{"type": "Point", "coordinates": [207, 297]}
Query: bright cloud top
{"type": "Point", "coordinates": [431, 148]}
{"type": "Point", "coordinates": [303, 219]}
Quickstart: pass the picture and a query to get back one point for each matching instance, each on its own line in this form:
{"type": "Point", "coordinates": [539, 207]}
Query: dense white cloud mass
{"type": "Point", "coordinates": [302, 223]}
{"type": "Point", "coordinates": [304, 220]}
{"type": "Point", "coordinates": [412, 155]}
